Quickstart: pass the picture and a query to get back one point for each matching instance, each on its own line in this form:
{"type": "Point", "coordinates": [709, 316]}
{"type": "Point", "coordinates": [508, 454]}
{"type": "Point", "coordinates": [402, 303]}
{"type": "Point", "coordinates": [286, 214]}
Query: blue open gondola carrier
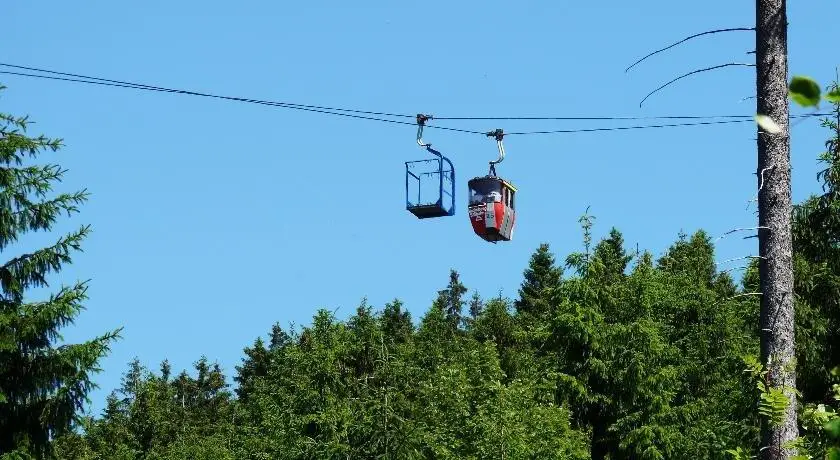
{"type": "Point", "coordinates": [429, 183]}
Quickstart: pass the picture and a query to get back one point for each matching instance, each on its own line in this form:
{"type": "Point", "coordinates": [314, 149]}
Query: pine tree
{"type": "Point", "coordinates": [612, 258]}
{"type": "Point", "coordinates": [254, 366]}
{"type": "Point", "coordinates": [279, 338]}
{"type": "Point", "coordinates": [476, 306]}
{"type": "Point", "coordinates": [396, 323]}
{"type": "Point", "coordinates": [160, 418]}
{"type": "Point", "coordinates": [816, 244]}
{"type": "Point", "coordinates": [817, 221]}
{"type": "Point", "coordinates": [497, 325]}
{"type": "Point", "coordinates": [257, 360]}
{"type": "Point", "coordinates": [693, 258]}
{"type": "Point", "coordinates": [451, 300]}
{"type": "Point", "coordinates": [43, 384]}
{"type": "Point", "coordinates": [365, 339]}
{"type": "Point", "coordinates": [542, 279]}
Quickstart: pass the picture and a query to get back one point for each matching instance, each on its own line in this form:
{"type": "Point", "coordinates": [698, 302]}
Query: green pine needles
{"type": "Point", "coordinates": [609, 352]}
{"type": "Point", "coordinates": [43, 383]}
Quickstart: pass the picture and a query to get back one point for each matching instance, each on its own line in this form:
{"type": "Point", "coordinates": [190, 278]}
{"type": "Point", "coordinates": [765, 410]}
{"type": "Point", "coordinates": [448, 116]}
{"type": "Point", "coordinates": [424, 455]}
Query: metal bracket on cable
{"type": "Point", "coordinates": [499, 135]}
{"type": "Point", "coordinates": [421, 121]}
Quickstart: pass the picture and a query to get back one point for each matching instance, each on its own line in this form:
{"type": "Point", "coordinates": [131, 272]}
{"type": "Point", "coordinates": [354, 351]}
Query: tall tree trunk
{"type": "Point", "coordinates": [774, 214]}
{"type": "Point", "coordinates": [600, 445]}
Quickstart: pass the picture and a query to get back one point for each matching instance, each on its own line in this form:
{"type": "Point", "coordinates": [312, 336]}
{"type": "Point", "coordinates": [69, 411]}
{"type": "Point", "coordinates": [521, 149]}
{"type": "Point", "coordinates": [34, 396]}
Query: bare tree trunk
{"type": "Point", "coordinates": [774, 200]}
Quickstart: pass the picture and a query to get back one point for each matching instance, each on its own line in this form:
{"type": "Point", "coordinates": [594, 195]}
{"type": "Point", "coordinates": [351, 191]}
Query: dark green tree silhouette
{"type": "Point", "coordinates": [816, 244]}
{"type": "Point", "coordinates": [396, 323]}
{"type": "Point", "coordinates": [44, 383]}
{"type": "Point", "coordinates": [542, 280]}
{"type": "Point", "coordinates": [451, 301]}
{"type": "Point", "coordinates": [476, 305]}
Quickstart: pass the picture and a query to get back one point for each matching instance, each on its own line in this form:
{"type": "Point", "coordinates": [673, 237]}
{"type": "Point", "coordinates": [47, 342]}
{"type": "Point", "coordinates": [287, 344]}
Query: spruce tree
{"type": "Point", "coordinates": [451, 300]}
{"type": "Point", "coordinates": [542, 279]}
{"type": "Point", "coordinates": [365, 338]}
{"type": "Point", "coordinates": [612, 258]}
{"type": "Point", "coordinates": [43, 383]}
{"type": "Point", "coordinates": [816, 244]}
{"type": "Point", "coordinates": [254, 366]}
{"type": "Point", "coordinates": [476, 306]}
{"type": "Point", "coordinates": [279, 338]}
{"type": "Point", "coordinates": [395, 323]}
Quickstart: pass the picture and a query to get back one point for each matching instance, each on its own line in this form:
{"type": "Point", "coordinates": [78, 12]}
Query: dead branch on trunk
{"type": "Point", "coordinates": [738, 230]}
{"type": "Point", "coordinates": [707, 69]}
{"type": "Point", "coordinates": [740, 258]}
{"type": "Point", "coordinates": [708, 32]}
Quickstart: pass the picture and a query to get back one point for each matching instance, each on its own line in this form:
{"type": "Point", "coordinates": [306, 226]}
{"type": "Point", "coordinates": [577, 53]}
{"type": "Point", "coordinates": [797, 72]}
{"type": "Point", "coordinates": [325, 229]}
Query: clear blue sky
{"type": "Point", "coordinates": [212, 219]}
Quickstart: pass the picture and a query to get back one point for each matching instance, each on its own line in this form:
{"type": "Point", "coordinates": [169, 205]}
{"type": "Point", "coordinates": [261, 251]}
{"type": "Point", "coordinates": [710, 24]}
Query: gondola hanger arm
{"type": "Point", "coordinates": [421, 122]}
{"type": "Point", "coordinates": [499, 135]}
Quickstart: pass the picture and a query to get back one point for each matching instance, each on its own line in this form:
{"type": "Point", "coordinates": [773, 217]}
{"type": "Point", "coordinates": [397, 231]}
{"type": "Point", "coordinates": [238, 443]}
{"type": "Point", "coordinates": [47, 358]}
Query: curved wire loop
{"type": "Point", "coordinates": [499, 135]}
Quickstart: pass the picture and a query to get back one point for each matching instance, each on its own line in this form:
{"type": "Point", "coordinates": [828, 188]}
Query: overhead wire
{"type": "Point", "coordinates": [377, 115]}
{"type": "Point", "coordinates": [231, 98]}
{"type": "Point", "coordinates": [612, 118]}
{"type": "Point", "coordinates": [668, 125]}
{"type": "Point", "coordinates": [196, 93]}
{"type": "Point", "coordinates": [366, 112]}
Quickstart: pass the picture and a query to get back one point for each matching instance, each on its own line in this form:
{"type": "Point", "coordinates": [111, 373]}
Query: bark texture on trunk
{"type": "Point", "coordinates": [774, 199]}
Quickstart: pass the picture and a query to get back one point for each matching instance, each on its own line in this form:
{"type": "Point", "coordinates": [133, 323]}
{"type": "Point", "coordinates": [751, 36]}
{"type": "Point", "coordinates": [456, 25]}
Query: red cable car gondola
{"type": "Point", "coordinates": [492, 201]}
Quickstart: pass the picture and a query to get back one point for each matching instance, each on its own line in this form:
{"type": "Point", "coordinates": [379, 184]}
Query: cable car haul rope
{"type": "Point", "coordinates": [491, 198]}
{"type": "Point", "coordinates": [385, 117]}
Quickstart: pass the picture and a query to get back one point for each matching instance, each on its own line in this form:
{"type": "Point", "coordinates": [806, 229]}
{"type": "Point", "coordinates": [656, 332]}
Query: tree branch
{"type": "Point", "coordinates": [746, 294]}
{"type": "Point", "coordinates": [731, 64]}
{"type": "Point", "coordinates": [708, 32]}
{"type": "Point", "coordinates": [737, 296]}
{"type": "Point", "coordinates": [733, 269]}
{"type": "Point", "coordinates": [740, 230]}
{"type": "Point", "coordinates": [740, 258]}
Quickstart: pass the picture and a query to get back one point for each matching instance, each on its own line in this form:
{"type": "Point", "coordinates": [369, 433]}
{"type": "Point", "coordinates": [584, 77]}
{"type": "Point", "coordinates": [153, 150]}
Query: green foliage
{"type": "Point", "coordinates": [44, 383]}
{"type": "Point", "coordinates": [646, 358]}
{"type": "Point", "coordinates": [821, 424]}
{"type": "Point", "coordinates": [804, 91]}
{"type": "Point", "coordinates": [160, 417]}
{"type": "Point", "coordinates": [773, 401]}
{"type": "Point", "coordinates": [739, 454]}
{"type": "Point", "coordinates": [626, 356]}
{"type": "Point", "coordinates": [542, 277]}
{"type": "Point", "coordinates": [396, 323]}
{"type": "Point", "coordinates": [629, 357]}
{"type": "Point", "coordinates": [816, 233]}
{"type": "Point", "coordinates": [451, 300]}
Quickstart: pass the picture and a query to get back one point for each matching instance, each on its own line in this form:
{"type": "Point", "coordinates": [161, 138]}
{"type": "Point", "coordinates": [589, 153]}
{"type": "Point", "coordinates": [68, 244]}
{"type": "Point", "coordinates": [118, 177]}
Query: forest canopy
{"type": "Point", "coordinates": [604, 353]}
